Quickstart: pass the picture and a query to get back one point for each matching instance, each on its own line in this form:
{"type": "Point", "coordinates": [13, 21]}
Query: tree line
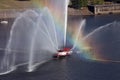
{"type": "Point", "coordinates": [84, 3]}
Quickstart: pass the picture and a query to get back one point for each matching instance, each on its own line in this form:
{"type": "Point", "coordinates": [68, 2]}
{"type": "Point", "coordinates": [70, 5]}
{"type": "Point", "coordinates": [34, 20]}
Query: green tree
{"type": "Point", "coordinates": [79, 3]}
{"type": "Point", "coordinates": [75, 3]}
{"type": "Point", "coordinates": [116, 1]}
{"type": "Point", "coordinates": [94, 2]}
{"type": "Point", "coordinates": [83, 3]}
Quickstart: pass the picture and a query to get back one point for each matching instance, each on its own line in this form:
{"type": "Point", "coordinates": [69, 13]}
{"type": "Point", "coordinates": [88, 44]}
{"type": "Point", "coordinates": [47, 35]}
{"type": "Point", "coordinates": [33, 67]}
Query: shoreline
{"type": "Point", "coordinates": [83, 12]}
{"type": "Point", "coordinates": [76, 12]}
{"type": "Point", "coordinates": [12, 13]}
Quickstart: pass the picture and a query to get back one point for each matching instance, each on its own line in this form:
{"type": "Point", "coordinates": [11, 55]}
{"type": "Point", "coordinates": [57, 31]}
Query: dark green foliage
{"type": "Point", "coordinates": [75, 3]}
{"type": "Point", "coordinates": [116, 1]}
{"type": "Point", "coordinates": [98, 2]}
{"type": "Point", "coordinates": [79, 3]}
{"type": "Point", "coordinates": [23, 0]}
{"type": "Point", "coordinates": [84, 3]}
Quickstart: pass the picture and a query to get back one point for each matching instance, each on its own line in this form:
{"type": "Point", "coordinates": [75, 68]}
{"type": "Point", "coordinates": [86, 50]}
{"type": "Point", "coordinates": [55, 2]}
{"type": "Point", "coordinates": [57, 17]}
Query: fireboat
{"type": "Point", "coordinates": [62, 53]}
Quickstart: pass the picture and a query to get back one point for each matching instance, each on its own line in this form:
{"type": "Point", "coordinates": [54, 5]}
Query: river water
{"type": "Point", "coordinates": [103, 31]}
{"type": "Point", "coordinates": [72, 67]}
{"type": "Point", "coordinates": [93, 22]}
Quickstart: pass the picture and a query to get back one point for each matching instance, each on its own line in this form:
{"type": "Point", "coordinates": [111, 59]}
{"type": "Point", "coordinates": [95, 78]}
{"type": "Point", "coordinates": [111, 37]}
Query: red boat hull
{"type": "Point", "coordinates": [62, 53]}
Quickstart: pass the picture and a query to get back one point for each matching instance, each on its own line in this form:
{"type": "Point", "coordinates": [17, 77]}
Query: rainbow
{"type": "Point", "coordinates": [83, 46]}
